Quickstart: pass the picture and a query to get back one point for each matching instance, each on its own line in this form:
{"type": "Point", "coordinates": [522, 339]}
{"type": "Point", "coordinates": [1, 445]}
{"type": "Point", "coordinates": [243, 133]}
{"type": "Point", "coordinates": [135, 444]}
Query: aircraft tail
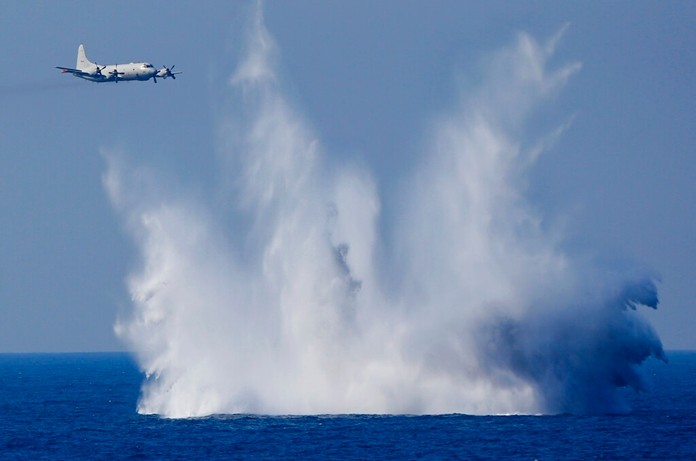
{"type": "Point", "coordinates": [82, 62]}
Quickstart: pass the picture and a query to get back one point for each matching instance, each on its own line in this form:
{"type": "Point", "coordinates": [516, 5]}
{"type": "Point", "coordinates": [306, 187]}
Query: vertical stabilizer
{"type": "Point", "coordinates": [82, 61]}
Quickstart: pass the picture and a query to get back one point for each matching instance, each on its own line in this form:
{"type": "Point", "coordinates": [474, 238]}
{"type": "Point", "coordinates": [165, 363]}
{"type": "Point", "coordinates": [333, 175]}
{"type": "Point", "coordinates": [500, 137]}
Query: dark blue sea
{"type": "Point", "coordinates": [82, 406]}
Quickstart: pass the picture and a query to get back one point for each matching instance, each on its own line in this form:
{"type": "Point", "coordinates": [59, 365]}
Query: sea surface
{"type": "Point", "coordinates": [83, 406]}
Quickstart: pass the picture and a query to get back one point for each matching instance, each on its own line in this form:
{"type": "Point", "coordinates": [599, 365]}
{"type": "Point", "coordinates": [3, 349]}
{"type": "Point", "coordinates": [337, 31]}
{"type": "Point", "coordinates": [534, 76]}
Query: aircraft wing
{"type": "Point", "coordinates": [72, 71]}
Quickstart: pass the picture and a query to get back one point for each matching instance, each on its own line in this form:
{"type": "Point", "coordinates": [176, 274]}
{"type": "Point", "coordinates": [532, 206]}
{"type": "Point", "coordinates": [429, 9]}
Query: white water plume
{"type": "Point", "coordinates": [278, 304]}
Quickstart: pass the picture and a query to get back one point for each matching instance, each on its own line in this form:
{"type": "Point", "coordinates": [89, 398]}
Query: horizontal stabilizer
{"type": "Point", "coordinates": [66, 70]}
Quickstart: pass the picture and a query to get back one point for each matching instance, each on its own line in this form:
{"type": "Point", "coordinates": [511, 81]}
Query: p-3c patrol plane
{"type": "Point", "coordinates": [94, 72]}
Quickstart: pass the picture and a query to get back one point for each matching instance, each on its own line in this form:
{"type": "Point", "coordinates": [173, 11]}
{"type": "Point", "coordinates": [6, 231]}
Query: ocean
{"type": "Point", "coordinates": [83, 406]}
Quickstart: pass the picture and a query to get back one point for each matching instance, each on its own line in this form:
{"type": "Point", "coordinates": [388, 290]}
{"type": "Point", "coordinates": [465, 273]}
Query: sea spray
{"type": "Point", "coordinates": [285, 302]}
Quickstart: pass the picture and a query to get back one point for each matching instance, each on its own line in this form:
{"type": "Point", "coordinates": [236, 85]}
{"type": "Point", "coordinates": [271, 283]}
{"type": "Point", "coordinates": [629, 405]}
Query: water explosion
{"type": "Point", "coordinates": [287, 303]}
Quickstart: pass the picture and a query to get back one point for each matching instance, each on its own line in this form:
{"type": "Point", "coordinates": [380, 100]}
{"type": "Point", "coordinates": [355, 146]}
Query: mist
{"type": "Point", "coordinates": [35, 87]}
{"type": "Point", "coordinates": [291, 295]}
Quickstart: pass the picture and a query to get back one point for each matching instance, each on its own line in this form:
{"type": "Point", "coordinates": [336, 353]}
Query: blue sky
{"type": "Point", "coordinates": [369, 77]}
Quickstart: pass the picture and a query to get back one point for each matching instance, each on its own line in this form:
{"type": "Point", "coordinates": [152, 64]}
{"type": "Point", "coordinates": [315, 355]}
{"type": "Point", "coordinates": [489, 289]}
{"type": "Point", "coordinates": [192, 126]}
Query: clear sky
{"type": "Point", "coordinates": [368, 76]}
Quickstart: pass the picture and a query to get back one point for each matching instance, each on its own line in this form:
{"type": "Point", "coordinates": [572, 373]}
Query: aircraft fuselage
{"type": "Point", "coordinates": [116, 72]}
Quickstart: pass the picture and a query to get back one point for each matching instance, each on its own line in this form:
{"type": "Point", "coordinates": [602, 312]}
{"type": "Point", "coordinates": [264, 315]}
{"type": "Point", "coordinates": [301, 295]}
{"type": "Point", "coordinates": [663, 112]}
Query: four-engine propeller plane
{"type": "Point", "coordinates": [139, 71]}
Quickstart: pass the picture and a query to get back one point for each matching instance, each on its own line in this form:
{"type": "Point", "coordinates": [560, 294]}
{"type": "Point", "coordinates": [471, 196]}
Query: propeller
{"type": "Point", "coordinates": [115, 73]}
{"type": "Point", "coordinates": [99, 69]}
{"type": "Point", "coordinates": [167, 72]}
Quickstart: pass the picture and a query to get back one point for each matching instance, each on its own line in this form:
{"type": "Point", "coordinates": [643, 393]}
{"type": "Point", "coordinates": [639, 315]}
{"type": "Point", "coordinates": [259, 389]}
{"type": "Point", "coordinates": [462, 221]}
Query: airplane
{"type": "Point", "coordinates": [140, 71]}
